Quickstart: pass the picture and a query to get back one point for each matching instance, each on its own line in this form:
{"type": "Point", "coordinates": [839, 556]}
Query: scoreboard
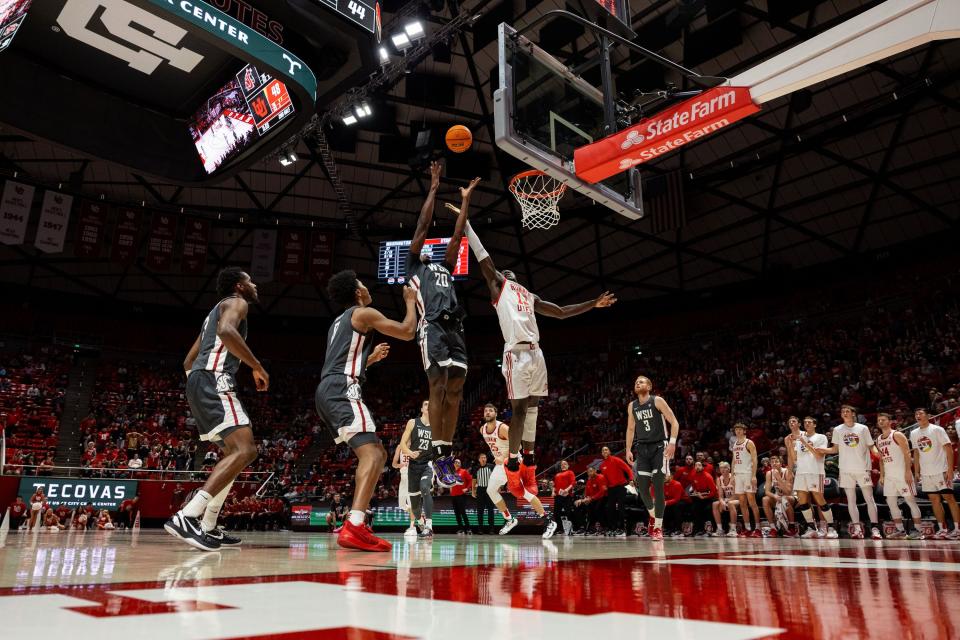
{"type": "Point", "coordinates": [365, 13]}
{"type": "Point", "coordinates": [392, 262]}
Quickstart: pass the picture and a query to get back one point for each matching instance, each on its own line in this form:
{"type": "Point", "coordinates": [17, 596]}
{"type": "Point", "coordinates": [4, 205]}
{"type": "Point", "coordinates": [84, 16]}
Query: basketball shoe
{"type": "Point", "coordinates": [189, 530]}
{"type": "Point", "coordinates": [360, 537]}
{"type": "Point", "coordinates": [226, 540]}
{"type": "Point", "coordinates": [656, 534]}
{"type": "Point", "coordinates": [444, 472]}
{"type": "Point", "coordinates": [550, 529]}
{"type": "Point", "coordinates": [508, 527]}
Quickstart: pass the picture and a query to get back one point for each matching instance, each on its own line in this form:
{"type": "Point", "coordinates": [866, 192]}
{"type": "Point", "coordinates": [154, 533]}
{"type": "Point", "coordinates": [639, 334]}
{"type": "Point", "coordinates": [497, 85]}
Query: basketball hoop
{"type": "Point", "coordinates": [538, 194]}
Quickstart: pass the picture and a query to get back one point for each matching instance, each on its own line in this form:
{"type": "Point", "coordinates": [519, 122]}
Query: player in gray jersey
{"type": "Point", "coordinates": [211, 367]}
{"type": "Point", "coordinates": [339, 396]}
{"type": "Point", "coordinates": [415, 444]}
{"type": "Point", "coordinates": [440, 330]}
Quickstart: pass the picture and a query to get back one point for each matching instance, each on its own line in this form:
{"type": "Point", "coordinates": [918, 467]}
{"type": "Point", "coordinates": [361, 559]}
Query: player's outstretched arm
{"type": "Point", "coordinates": [395, 463]}
{"type": "Point", "coordinates": [367, 318]}
{"type": "Point", "coordinates": [191, 356]}
{"type": "Point", "coordinates": [426, 212]}
{"type": "Point", "coordinates": [232, 312]}
{"type": "Point", "coordinates": [552, 310]}
{"type": "Point", "coordinates": [453, 247]}
{"type": "Point", "coordinates": [631, 428]}
{"type": "Point", "coordinates": [488, 270]}
{"type": "Point", "coordinates": [405, 440]}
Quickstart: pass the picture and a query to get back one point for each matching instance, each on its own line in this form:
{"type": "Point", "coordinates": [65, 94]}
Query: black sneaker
{"type": "Point", "coordinates": [226, 540]}
{"type": "Point", "coordinates": [189, 530]}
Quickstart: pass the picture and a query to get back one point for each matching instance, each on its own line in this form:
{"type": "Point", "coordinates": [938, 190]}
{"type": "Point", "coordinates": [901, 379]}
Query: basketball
{"type": "Point", "coordinates": [459, 138]}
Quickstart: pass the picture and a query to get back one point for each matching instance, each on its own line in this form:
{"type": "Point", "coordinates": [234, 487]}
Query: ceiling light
{"type": "Point", "coordinates": [384, 56]}
{"type": "Point", "coordinates": [367, 111]}
{"type": "Point", "coordinates": [414, 29]}
{"type": "Point", "coordinates": [287, 157]}
{"type": "Point", "coordinates": [400, 41]}
{"type": "Point", "coordinates": [349, 120]}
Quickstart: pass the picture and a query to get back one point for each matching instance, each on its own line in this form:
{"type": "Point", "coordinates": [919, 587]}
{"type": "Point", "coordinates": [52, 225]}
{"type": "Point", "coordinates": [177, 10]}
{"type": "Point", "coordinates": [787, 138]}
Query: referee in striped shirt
{"type": "Point", "coordinates": [484, 503]}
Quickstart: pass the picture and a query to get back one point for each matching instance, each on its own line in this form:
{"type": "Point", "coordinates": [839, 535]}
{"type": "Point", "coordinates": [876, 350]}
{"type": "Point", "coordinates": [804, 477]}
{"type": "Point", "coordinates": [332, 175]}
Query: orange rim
{"type": "Point", "coordinates": [533, 173]}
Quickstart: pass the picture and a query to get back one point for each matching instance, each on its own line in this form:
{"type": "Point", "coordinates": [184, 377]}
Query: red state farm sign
{"type": "Point", "coordinates": [652, 137]}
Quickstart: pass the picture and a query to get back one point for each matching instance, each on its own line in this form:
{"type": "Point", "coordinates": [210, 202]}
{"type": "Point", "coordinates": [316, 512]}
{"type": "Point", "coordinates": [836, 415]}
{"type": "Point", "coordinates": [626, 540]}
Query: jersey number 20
{"type": "Point", "coordinates": [442, 280]}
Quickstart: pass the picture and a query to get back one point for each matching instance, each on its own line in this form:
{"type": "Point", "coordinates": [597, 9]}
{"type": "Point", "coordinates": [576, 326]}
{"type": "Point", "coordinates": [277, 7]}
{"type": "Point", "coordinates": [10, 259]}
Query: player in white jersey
{"type": "Point", "coordinates": [778, 499]}
{"type": "Point", "coordinates": [807, 456]}
{"type": "Point", "coordinates": [401, 461]}
{"type": "Point", "coordinates": [726, 501]}
{"type": "Point", "coordinates": [523, 365]}
{"type": "Point", "coordinates": [745, 480]}
{"type": "Point", "coordinates": [896, 475]}
{"type": "Point", "coordinates": [496, 434]}
{"type": "Point", "coordinates": [789, 441]}
{"type": "Point", "coordinates": [854, 443]}
{"type": "Point", "coordinates": [933, 467]}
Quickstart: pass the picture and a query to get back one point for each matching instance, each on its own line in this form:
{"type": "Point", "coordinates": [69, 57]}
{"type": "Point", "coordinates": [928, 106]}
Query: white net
{"type": "Point", "coordinates": [538, 195]}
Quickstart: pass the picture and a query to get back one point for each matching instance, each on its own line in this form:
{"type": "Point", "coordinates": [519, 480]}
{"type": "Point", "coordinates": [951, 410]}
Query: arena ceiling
{"type": "Point", "coordinates": [854, 167]}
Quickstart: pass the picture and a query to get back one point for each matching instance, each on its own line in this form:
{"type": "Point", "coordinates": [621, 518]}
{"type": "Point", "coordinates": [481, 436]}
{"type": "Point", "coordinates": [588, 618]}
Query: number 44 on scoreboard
{"type": "Point", "coordinates": [362, 12]}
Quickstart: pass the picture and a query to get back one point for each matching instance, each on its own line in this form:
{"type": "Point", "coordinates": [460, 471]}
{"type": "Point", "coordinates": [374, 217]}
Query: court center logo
{"type": "Point", "coordinates": [141, 39]}
{"type": "Point", "coordinates": [851, 439]}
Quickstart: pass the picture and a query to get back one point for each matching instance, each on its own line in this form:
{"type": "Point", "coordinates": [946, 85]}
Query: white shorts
{"type": "Point", "coordinates": [525, 371]}
{"type": "Point", "coordinates": [852, 480]}
{"type": "Point", "coordinates": [934, 483]}
{"type": "Point", "coordinates": [403, 495]}
{"type": "Point", "coordinates": [809, 482]}
{"type": "Point", "coordinates": [896, 487]}
{"type": "Point", "coordinates": [744, 483]}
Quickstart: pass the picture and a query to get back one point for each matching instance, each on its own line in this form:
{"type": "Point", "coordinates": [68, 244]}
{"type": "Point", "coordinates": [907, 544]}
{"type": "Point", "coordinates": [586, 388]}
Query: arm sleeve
{"type": "Point", "coordinates": [834, 437]}
{"type": "Point", "coordinates": [869, 437]}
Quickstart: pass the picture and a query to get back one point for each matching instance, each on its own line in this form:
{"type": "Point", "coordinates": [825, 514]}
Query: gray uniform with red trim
{"type": "Point", "coordinates": [339, 396]}
{"type": "Point", "coordinates": [211, 385]}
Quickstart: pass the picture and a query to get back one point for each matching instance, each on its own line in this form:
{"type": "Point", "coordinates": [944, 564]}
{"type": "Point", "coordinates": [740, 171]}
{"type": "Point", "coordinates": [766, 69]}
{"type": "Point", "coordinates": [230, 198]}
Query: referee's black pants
{"type": "Point", "coordinates": [484, 505]}
{"type": "Point", "coordinates": [460, 511]}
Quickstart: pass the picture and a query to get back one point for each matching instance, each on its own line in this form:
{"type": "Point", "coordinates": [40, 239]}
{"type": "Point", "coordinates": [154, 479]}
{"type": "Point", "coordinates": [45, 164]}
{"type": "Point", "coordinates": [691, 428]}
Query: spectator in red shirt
{"type": "Point", "coordinates": [104, 521]}
{"type": "Point", "coordinates": [618, 474]}
{"type": "Point", "coordinates": [63, 513]}
{"type": "Point", "coordinates": [593, 501]}
{"type": "Point", "coordinates": [703, 492]}
{"type": "Point", "coordinates": [18, 511]}
{"type": "Point", "coordinates": [563, 496]}
{"type": "Point", "coordinates": [683, 472]}
{"type": "Point", "coordinates": [676, 504]}
{"type": "Point", "coordinates": [458, 493]}
{"type": "Point", "coordinates": [707, 466]}
{"type": "Point", "coordinates": [129, 509]}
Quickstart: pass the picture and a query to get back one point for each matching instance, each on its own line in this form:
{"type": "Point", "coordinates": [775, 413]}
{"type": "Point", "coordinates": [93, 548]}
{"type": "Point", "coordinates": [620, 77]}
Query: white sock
{"type": "Point", "coordinates": [357, 517]}
{"type": "Point", "coordinates": [899, 525]}
{"type": "Point", "coordinates": [197, 504]}
{"type": "Point", "coordinates": [209, 522]}
{"type": "Point", "coordinates": [429, 523]}
{"type": "Point", "coordinates": [658, 523]}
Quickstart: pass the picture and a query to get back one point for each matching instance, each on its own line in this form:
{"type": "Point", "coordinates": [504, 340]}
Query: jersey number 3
{"type": "Point", "coordinates": [646, 425]}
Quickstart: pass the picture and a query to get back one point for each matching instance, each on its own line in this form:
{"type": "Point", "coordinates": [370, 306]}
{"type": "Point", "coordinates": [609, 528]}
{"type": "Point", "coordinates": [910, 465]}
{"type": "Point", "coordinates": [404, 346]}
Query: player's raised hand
{"type": "Point", "coordinates": [379, 352]}
{"type": "Point", "coordinates": [409, 295]}
{"type": "Point", "coordinates": [452, 207]}
{"type": "Point", "coordinates": [435, 170]}
{"type": "Point", "coordinates": [465, 193]}
{"type": "Point", "coordinates": [607, 299]}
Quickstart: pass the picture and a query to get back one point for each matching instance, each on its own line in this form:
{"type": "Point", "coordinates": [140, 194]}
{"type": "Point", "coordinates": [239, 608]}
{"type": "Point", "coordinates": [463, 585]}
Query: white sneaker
{"type": "Point", "coordinates": [954, 534]}
{"type": "Point", "coordinates": [732, 533]}
{"type": "Point", "coordinates": [550, 530]}
{"type": "Point", "coordinates": [811, 533]}
{"type": "Point", "coordinates": [508, 527]}
{"type": "Point", "coordinates": [832, 533]}
{"type": "Point", "coordinates": [875, 534]}
{"type": "Point", "coordinates": [411, 532]}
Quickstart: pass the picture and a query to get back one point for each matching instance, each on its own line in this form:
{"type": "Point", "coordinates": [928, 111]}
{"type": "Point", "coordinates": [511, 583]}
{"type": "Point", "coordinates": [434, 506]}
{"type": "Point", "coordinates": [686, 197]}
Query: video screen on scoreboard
{"type": "Point", "coordinates": [12, 15]}
{"type": "Point", "coordinates": [236, 116]}
{"type": "Point", "coordinates": [392, 262]}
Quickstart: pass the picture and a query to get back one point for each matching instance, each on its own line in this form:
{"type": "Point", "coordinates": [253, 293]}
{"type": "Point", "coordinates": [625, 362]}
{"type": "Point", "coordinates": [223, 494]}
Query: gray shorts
{"type": "Point", "coordinates": [339, 401]}
{"type": "Point", "coordinates": [214, 405]}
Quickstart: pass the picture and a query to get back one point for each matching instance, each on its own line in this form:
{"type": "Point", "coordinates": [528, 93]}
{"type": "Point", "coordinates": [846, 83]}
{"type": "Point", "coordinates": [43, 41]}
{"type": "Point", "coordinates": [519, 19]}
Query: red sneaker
{"type": "Point", "coordinates": [773, 533]}
{"type": "Point", "coordinates": [514, 482]}
{"type": "Point", "coordinates": [756, 533]}
{"type": "Point", "coordinates": [361, 538]}
{"type": "Point", "coordinates": [384, 544]}
{"type": "Point", "coordinates": [528, 478]}
{"type": "Point", "coordinates": [656, 534]}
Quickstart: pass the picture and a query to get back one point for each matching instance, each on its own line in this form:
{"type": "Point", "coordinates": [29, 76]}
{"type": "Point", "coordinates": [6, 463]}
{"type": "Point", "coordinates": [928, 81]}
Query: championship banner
{"type": "Point", "coordinates": [160, 241]}
{"type": "Point", "coordinates": [196, 236]}
{"type": "Point", "coordinates": [663, 132]}
{"type": "Point", "coordinates": [54, 218]}
{"type": "Point", "coordinates": [293, 255]}
{"type": "Point", "coordinates": [126, 237]}
{"type": "Point", "coordinates": [78, 492]}
{"type": "Point", "coordinates": [90, 223]}
{"type": "Point", "coordinates": [264, 255]}
{"type": "Point", "coordinates": [15, 212]}
{"type": "Point", "coordinates": [321, 258]}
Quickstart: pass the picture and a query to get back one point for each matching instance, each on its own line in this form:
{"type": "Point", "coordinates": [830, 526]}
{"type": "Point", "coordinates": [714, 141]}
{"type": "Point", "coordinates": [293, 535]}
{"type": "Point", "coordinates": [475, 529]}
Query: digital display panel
{"type": "Point", "coordinates": [392, 262]}
{"type": "Point", "coordinates": [12, 15]}
{"type": "Point", "coordinates": [237, 115]}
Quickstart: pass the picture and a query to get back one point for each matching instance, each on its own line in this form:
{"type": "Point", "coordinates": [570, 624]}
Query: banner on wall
{"type": "Point", "coordinates": [293, 255]}
{"type": "Point", "coordinates": [163, 231]}
{"type": "Point", "coordinates": [196, 236]}
{"type": "Point", "coordinates": [90, 223]}
{"type": "Point", "coordinates": [15, 212]}
{"type": "Point", "coordinates": [264, 255]}
{"type": "Point", "coordinates": [78, 492]}
{"type": "Point", "coordinates": [54, 218]}
{"type": "Point", "coordinates": [126, 237]}
{"type": "Point", "coordinates": [321, 257]}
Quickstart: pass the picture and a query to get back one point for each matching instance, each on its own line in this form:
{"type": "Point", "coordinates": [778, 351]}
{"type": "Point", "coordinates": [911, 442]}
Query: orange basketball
{"type": "Point", "coordinates": [459, 138]}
